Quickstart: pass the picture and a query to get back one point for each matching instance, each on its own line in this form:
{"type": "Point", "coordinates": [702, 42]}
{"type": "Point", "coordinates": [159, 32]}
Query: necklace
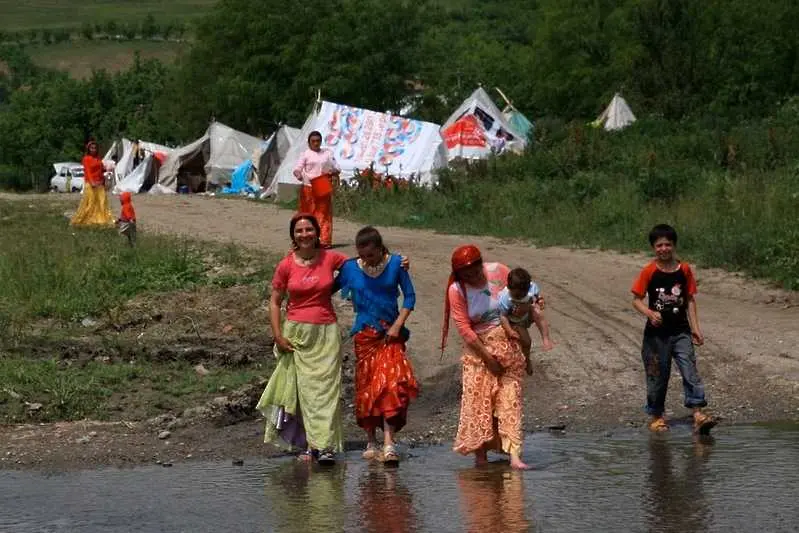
{"type": "Point", "coordinates": [304, 261]}
{"type": "Point", "coordinates": [374, 271]}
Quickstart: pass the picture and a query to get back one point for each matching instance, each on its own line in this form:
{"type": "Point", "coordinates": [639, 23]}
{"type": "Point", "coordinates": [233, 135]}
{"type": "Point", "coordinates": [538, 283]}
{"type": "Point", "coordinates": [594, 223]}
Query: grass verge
{"type": "Point", "coordinates": [733, 195]}
{"type": "Point", "coordinates": [77, 333]}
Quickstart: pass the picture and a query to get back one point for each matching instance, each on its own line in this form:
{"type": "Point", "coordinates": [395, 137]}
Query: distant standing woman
{"type": "Point", "coordinates": [316, 169]}
{"type": "Point", "coordinates": [93, 208]}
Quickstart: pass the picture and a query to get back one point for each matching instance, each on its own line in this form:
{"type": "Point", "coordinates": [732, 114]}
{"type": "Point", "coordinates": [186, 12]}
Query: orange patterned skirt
{"type": "Point", "coordinates": [491, 407]}
{"type": "Point", "coordinates": [384, 381]}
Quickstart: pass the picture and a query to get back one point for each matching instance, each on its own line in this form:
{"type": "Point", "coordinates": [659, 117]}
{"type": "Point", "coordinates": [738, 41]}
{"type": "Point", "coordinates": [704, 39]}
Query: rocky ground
{"type": "Point", "coordinates": [591, 381]}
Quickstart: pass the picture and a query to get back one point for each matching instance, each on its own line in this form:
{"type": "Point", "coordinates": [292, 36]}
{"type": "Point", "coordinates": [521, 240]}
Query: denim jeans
{"type": "Point", "coordinates": [657, 353]}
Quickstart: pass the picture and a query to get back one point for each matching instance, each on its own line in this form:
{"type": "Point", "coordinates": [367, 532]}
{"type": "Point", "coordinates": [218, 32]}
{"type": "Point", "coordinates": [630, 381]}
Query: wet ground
{"type": "Point", "coordinates": [746, 479]}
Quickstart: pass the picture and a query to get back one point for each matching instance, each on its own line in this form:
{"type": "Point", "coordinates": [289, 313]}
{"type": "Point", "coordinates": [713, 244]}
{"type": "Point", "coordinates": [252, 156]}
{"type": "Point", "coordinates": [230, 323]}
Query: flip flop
{"type": "Point", "coordinates": [327, 458]}
{"type": "Point", "coordinates": [704, 423]}
{"type": "Point", "coordinates": [306, 457]}
{"type": "Point", "coordinates": [658, 425]}
{"type": "Point", "coordinates": [390, 456]}
{"type": "Point", "coordinates": [370, 453]}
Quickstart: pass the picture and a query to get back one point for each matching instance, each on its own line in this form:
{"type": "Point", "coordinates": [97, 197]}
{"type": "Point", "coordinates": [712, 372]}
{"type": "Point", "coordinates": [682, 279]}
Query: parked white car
{"type": "Point", "coordinates": [68, 177]}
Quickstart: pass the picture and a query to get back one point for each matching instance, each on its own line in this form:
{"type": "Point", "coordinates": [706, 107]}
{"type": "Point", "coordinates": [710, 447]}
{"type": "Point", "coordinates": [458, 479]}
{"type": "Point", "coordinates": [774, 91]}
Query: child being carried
{"type": "Point", "coordinates": [521, 305]}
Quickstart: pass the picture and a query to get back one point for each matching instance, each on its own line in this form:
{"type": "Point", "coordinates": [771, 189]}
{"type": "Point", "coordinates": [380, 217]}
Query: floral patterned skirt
{"type": "Point", "coordinates": [491, 407]}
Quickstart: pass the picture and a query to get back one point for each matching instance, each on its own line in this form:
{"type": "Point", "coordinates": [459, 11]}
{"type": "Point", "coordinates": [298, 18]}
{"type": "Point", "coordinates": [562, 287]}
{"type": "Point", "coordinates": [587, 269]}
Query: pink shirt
{"type": "Point", "coordinates": [313, 164]}
{"type": "Point", "coordinates": [309, 287]}
{"type": "Point", "coordinates": [477, 311]}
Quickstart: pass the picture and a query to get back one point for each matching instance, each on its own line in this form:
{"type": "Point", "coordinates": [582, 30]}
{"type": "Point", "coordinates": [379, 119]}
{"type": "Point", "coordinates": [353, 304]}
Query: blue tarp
{"type": "Point", "coordinates": [238, 180]}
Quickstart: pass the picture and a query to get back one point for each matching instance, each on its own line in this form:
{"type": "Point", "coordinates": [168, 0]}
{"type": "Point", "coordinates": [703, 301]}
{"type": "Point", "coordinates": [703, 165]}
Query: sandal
{"type": "Point", "coordinates": [327, 458]}
{"type": "Point", "coordinates": [704, 423]}
{"type": "Point", "coordinates": [370, 453]}
{"type": "Point", "coordinates": [658, 425]}
{"type": "Point", "coordinates": [390, 456]}
{"type": "Point", "coordinates": [306, 457]}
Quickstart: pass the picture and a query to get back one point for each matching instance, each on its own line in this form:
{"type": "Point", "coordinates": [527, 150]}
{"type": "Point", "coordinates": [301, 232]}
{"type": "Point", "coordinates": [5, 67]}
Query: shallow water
{"type": "Point", "coordinates": [745, 480]}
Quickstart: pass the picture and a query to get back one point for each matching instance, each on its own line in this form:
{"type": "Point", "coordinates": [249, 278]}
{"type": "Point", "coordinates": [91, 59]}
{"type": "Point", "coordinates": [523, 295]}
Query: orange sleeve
{"type": "Point", "coordinates": [460, 313]}
{"type": "Point", "coordinates": [642, 281]}
{"type": "Point", "coordinates": [690, 278]}
{"type": "Point", "coordinates": [93, 170]}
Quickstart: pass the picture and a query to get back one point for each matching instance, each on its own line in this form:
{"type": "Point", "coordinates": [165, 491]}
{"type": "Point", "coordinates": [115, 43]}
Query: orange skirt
{"type": "Point", "coordinates": [384, 381]}
{"type": "Point", "coordinates": [491, 407]}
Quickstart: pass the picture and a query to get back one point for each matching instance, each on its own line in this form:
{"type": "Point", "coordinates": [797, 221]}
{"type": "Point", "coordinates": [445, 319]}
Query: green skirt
{"type": "Point", "coordinates": [305, 389]}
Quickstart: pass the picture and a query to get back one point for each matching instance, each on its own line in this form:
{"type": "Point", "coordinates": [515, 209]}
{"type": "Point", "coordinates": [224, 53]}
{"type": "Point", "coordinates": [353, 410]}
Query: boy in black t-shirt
{"type": "Point", "coordinates": [672, 328]}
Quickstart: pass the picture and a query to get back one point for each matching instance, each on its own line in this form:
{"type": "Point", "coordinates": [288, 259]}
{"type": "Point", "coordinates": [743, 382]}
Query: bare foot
{"type": "Point", "coordinates": [480, 458]}
{"type": "Point", "coordinates": [517, 464]}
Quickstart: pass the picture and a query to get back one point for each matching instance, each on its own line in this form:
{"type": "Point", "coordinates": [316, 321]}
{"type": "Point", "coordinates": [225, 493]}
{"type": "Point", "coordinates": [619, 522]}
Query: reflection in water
{"type": "Point", "coordinates": [746, 481]}
{"type": "Point", "coordinates": [674, 499]}
{"type": "Point", "coordinates": [304, 498]}
{"type": "Point", "coordinates": [492, 500]}
{"type": "Point", "coordinates": [385, 504]}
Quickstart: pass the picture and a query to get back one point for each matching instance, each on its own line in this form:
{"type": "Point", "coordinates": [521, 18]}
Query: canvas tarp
{"type": "Point", "coordinates": [185, 166]}
{"type": "Point", "coordinates": [272, 152]}
{"type": "Point", "coordinates": [616, 116]}
{"type": "Point", "coordinates": [228, 149]}
{"type": "Point", "coordinates": [360, 138]}
{"type": "Point", "coordinates": [519, 122]}
{"type": "Point", "coordinates": [466, 138]}
{"type": "Point", "coordinates": [142, 177]}
{"type": "Point", "coordinates": [499, 132]}
{"type": "Point", "coordinates": [127, 162]}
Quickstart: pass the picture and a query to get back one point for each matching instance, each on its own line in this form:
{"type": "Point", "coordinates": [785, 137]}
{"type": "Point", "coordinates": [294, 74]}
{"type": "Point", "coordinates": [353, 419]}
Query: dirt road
{"type": "Point", "coordinates": [593, 379]}
{"type": "Point", "coordinates": [594, 376]}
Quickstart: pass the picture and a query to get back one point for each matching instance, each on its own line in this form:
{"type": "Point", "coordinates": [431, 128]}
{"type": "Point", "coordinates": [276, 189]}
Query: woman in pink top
{"type": "Point", "coordinates": [317, 163]}
{"type": "Point", "coordinates": [301, 402]}
{"type": "Point", "coordinates": [493, 365]}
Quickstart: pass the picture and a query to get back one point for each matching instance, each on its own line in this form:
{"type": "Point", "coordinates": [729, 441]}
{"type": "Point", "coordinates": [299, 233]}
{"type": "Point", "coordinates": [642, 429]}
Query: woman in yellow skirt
{"type": "Point", "coordinates": [93, 208]}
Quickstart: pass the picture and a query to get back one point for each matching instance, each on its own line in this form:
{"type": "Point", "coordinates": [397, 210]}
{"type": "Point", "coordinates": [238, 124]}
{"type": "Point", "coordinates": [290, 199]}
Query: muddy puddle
{"type": "Point", "coordinates": [746, 479]}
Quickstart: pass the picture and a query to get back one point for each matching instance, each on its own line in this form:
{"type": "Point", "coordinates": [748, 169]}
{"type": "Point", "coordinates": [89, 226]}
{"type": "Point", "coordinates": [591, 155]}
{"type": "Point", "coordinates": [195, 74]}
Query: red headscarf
{"type": "Point", "coordinates": [462, 257]}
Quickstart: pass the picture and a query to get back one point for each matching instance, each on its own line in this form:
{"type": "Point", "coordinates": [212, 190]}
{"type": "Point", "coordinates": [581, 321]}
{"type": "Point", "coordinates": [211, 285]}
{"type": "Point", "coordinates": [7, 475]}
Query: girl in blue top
{"type": "Point", "coordinates": [384, 379]}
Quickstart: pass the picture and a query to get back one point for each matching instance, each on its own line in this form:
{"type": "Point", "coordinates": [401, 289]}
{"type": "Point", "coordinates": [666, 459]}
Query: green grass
{"type": "Point", "coordinates": [60, 14]}
{"type": "Point", "coordinates": [103, 391]}
{"type": "Point", "coordinates": [79, 58]}
{"type": "Point", "coordinates": [734, 208]}
{"type": "Point", "coordinates": [65, 273]}
{"type": "Point", "coordinates": [55, 275]}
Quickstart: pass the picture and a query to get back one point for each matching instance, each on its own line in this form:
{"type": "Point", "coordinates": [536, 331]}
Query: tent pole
{"type": "Point", "coordinates": [504, 97]}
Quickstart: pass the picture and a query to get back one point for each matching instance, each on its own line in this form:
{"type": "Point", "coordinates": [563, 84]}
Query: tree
{"type": "Point", "coordinates": [87, 30]}
{"type": "Point", "coordinates": [149, 28]}
{"type": "Point", "coordinates": [264, 64]}
{"type": "Point", "coordinates": [111, 28]}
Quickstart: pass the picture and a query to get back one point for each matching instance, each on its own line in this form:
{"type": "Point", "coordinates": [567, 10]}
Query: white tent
{"type": "Point", "coordinates": [211, 159]}
{"type": "Point", "coordinates": [228, 149]}
{"type": "Point", "coordinates": [359, 138]}
{"type": "Point", "coordinates": [499, 134]}
{"type": "Point", "coordinates": [136, 179]}
{"type": "Point", "coordinates": [125, 164]}
{"type": "Point", "coordinates": [272, 152]}
{"type": "Point", "coordinates": [616, 116]}
{"type": "Point", "coordinates": [185, 166]}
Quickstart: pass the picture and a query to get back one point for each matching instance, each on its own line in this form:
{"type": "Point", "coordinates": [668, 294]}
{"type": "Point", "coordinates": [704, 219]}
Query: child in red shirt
{"type": "Point", "coordinates": [127, 219]}
{"type": "Point", "coordinates": [672, 329]}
